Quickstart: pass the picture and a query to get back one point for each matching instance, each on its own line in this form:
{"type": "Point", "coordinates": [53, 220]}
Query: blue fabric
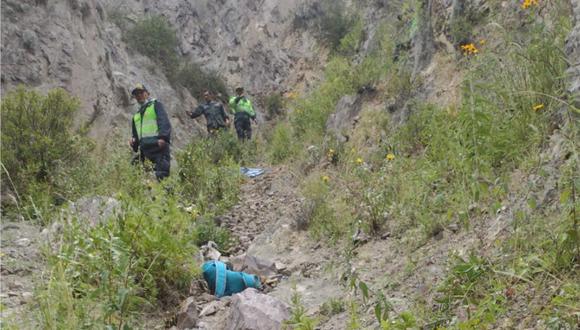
{"type": "Point", "coordinates": [224, 282]}
{"type": "Point", "coordinates": [251, 172]}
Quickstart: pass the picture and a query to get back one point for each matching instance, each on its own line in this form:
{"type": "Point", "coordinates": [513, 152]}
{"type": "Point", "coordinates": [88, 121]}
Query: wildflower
{"type": "Point", "coordinates": [538, 107]}
{"type": "Point", "coordinates": [528, 3]}
{"type": "Point", "coordinates": [330, 154]}
{"type": "Point", "coordinates": [469, 49]}
{"type": "Point", "coordinates": [390, 156]}
{"type": "Point", "coordinates": [359, 161]}
{"type": "Point", "coordinates": [482, 42]}
{"type": "Point", "coordinates": [325, 179]}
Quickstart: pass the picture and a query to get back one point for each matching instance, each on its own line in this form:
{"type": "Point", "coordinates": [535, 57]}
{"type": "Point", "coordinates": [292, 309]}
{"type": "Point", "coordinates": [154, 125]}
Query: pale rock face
{"type": "Point", "coordinates": [74, 44]}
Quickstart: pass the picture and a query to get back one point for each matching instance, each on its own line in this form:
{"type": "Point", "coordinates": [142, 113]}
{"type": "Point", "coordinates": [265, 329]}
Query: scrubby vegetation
{"type": "Point", "coordinates": [411, 170]}
{"type": "Point", "coordinates": [455, 165]}
{"type": "Point", "coordinates": [108, 272]}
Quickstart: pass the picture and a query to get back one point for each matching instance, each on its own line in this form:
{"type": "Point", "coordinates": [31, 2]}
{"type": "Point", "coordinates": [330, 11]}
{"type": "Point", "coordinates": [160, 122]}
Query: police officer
{"type": "Point", "coordinates": [243, 111]}
{"type": "Point", "coordinates": [151, 132]}
{"type": "Point", "coordinates": [214, 113]}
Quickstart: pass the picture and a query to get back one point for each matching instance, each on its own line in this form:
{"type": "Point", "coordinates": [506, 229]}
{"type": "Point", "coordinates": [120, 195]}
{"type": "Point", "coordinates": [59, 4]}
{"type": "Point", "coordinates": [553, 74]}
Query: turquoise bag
{"type": "Point", "coordinates": [224, 282]}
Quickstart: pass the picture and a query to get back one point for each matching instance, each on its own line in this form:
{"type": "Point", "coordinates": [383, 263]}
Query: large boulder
{"type": "Point", "coordinates": [253, 265]}
{"type": "Point", "coordinates": [252, 310]}
{"type": "Point", "coordinates": [187, 315]}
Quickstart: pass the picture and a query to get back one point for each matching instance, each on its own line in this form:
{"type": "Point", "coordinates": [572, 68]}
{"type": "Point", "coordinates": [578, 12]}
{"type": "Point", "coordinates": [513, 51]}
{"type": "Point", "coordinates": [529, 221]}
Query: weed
{"type": "Point", "coordinates": [298, 318]}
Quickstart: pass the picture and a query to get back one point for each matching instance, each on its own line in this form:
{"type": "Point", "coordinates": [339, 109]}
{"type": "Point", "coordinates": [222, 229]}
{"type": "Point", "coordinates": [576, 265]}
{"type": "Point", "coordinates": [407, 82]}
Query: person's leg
{"type": "Point", "coordinates": [163, 164]}
{"type": "Point", "coordinates": [238, 121]}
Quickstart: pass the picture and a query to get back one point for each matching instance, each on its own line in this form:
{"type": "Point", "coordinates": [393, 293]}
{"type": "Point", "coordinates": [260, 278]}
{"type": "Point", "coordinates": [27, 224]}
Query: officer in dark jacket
{"type": "Point", "coordinates": [151, 132]}
{"type": "Point", "coordinates": [214, 113]}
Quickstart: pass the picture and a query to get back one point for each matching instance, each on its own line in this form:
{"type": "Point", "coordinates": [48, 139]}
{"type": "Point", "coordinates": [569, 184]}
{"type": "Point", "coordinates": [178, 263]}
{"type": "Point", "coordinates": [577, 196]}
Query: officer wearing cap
{"type": "Point", "coordinates": [151, 132]}
{"type": "Point", "coordinates": [243, 111]}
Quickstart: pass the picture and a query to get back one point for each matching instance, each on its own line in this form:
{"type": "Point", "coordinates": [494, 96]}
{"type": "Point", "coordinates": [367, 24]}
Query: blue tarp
{"type": "Point", "coordinates": [251, 172]}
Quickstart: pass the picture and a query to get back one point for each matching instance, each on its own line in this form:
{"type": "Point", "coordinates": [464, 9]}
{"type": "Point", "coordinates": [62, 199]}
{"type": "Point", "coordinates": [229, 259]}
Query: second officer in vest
{"type": "Point", "coordinates": [151, 132]}
{"type": "Point", "coordinates": [243, 111]}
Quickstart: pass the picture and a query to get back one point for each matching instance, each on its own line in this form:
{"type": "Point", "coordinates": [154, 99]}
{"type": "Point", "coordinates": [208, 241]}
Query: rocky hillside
{"type": "Point", "coordinates": [423, 173]}
{"type": "Point", "coordinates": [79, 46]}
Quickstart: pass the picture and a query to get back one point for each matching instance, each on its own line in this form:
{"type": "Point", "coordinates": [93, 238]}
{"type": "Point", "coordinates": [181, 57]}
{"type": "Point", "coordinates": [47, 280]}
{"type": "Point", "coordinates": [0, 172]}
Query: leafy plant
{"type": "Point", "coordinates": [197, 80]}
{"type": "Point", "coordinates": [155, 38]}
{"type": "Point", "coordinates": [298, 318]}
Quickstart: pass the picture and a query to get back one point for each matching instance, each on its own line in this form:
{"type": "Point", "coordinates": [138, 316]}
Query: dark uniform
{"type": "Point", "coordinates": [149, 125]}
{"type": "Point", "coordinates": [214, 113]}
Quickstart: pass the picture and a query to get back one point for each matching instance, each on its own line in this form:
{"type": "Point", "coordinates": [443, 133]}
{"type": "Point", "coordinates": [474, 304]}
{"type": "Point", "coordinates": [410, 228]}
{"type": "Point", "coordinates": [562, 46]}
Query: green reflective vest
{"type": "Point", "coordinates": [146, 125]}
{"type": "Point", "coordinates": [242, 105]}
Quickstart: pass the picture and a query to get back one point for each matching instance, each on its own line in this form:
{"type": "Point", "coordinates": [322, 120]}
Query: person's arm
{"type": "Point", "coordinates": [224, 114]}
{"type": "Point", "coordinates": [197, 112]}
{"type": "Point", "coordinates": [250, 109]}
{"type": "Point", "coordinates": [232, 104]}
{"type": "Point", "coordinates": [134, 142]}
{"type": "Point", "coordinates": [163, 123]}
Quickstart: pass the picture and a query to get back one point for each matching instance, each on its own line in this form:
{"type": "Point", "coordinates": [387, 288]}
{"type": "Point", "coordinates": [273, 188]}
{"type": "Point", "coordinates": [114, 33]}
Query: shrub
{"type": "Point", "coordinates": [274, 105]}
{"type": "Point", "coordinates": [281, 145]}
{"type": "Point", "coordinates": [155, 38]}
{"type": "Point", "coordinates": [196, 80]}
{"type": "Point", "coordinates": [37, 142]}
{"type": "Point", "coordinates": [105, 274]}
{"type": "Point", "coordinates": [209, 175]}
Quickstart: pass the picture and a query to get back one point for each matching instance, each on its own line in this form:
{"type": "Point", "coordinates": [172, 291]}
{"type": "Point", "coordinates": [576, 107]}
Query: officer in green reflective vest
{"type": "Point", "coordinates": [243, 111]}
{"type": "Point", "coordinates": [151, 132]}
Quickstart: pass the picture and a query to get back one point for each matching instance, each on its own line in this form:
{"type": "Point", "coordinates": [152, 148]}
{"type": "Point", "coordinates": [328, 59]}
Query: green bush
{"type": "Point", "coordinates": [196, 80]}
{"type": "Point", "coordinates": [274, 105]}
{"type": "Point", "coordinates": [281, 146]}
{"type": "Point", "coordinates": [38, 143]}
{"type": "Point", "coordinates": [107, 273]}
{"type": "Point", "coordinates": [155, 38]}
{"type": "Point", "coordinates": [209, 175]}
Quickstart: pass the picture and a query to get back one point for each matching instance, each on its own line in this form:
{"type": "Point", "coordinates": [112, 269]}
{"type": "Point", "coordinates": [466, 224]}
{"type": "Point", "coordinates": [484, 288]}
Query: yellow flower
{"type": "Point", "coordinates": [325, 179]}
{"type": "Point", "coordinates": [538, 107]}
{"type": "Point", "coordinates": [469, 49]}
{"type": "Point", "coordinates": [330, 154]}
{"type": "Point", "coordinates": [390, 156]}
{"type": "Point", "coordinates": [482, 42]}
{"type": "Point", "coordinates": [528, 3]}
{"type": "Point", "coordinates": [359, 161]}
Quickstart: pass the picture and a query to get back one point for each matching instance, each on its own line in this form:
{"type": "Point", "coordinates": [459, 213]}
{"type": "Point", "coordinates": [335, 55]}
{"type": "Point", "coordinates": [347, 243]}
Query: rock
{"type": "Point", "coordinates": [23, 242]}
{"type": "Point", "coordinates": [256, 311]}
{"type": "Point", "coordinates": [27, 295]}
{"type": "Point", "coordinates": [210, 251]}
{"type": "Point", "coordinates": [212, 308]}
{"type": "Point", "coordinates": [94, 210]}
{"type": "Point", "coordinates": [187, 315]}
{"type": "Point", "coordinates": [343, 118]}
{"type": "Point", "coordinates": [454, 227]}
{"type": "Point", "coordinates": [29, 40]}
{"type": "Point", "coordinates": [254, 265]}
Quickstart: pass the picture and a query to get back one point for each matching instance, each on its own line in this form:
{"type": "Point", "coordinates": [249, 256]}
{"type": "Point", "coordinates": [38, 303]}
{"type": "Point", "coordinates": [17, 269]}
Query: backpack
{"type": "Point", "coordinates": [224, 282]}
